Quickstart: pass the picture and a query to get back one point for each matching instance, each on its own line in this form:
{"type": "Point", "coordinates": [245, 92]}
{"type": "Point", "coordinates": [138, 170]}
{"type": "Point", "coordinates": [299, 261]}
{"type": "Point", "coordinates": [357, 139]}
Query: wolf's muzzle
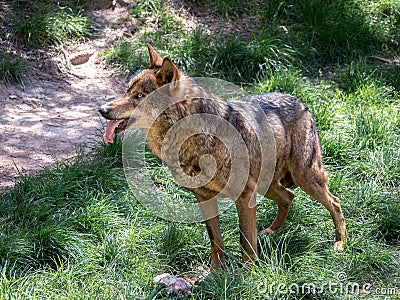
{"type": "Point", "coordinates": [104, 111]}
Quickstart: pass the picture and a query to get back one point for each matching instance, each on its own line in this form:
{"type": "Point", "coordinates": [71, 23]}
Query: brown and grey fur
{"type": "Point", "coordinates": [298, 154]}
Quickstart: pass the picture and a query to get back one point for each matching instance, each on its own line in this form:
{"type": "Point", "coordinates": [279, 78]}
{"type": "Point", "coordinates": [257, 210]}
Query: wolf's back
{"type": "Point", "coordinates": [286, 107]}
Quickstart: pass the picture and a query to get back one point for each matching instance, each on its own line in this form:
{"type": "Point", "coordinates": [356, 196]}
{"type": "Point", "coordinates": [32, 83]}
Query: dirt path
{"type": "Point", "coordinates": [56, 112]}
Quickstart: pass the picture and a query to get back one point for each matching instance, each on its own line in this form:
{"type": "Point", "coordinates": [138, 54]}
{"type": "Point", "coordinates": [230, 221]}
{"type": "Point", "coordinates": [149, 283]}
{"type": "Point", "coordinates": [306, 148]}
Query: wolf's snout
{"type": "Point", "coordinates": [104, 111]}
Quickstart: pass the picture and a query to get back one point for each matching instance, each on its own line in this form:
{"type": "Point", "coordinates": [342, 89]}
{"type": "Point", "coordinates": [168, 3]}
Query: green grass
{"type": "Point", "coordinates": [38, 24]}
{"type": "Point", "coordinates": [234, 58]}
{"type": "Point", "coordinates": [76, 231]}
{"type": "Point", "coordinates": [313, 36]}
{"type": "Point", "coordinates": [47, 23]}
{"type": "Point", "coordinates": [12, 69]}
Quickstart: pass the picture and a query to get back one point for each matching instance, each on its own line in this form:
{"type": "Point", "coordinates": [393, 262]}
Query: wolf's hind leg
{"type": "Point", "coordinates": [283, 198]}
{"type": "Point", "coordinates": [309, 174]}
{"type": "Point", "coordinates": [313, 182]}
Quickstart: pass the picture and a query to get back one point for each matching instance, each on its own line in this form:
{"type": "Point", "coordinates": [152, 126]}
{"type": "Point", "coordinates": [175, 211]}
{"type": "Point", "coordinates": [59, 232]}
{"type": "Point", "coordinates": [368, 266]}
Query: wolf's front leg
{"type": "Point", "coordinates": [217, 246]}
{"type": "Point", "coordinates": [246, 207]}
{"type": "Point", "coordinates": [209, 210]}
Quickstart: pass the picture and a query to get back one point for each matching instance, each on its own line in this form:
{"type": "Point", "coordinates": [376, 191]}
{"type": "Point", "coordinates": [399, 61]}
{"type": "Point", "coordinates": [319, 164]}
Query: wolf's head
{"type": "Point", "coordinates": [159, 73]}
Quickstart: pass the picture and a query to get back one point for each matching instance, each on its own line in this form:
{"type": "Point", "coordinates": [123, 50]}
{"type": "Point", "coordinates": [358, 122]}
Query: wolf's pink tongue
{"type": "Point", "coordinates": [109, 134]}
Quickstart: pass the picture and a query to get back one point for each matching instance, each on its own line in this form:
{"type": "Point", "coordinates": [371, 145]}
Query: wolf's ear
{"type": "Point", "coordinates": [155, 59]}
{"type": "Point", "coordinates": [168, 72]}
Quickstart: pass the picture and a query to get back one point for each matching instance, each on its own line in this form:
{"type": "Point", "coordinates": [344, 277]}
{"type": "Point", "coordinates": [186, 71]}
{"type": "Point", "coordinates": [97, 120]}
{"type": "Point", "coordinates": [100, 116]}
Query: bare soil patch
{"type": "Point", "coordinates": [55, 112]}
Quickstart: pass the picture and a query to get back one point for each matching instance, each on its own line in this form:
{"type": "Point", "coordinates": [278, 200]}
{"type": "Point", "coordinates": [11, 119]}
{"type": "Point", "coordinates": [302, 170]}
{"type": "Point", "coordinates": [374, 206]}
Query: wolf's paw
{"type": "Point", "coordinates": [338, 246]}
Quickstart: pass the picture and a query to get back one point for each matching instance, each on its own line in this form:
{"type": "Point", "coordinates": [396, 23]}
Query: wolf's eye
{"type": "Point", "coordinates": [138, 96]}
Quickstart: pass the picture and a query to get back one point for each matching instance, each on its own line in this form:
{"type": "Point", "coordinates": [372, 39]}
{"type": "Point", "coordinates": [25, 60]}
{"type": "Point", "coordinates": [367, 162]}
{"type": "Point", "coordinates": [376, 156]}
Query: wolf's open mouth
{"type": "Point", "coordinates": [114, 126]}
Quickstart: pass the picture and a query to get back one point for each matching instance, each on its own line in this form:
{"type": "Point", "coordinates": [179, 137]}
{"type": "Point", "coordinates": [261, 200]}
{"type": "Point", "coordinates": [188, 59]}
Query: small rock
{"type": "Point", "coordinates": [13, 97]}
{"type": "Point", "coordinates": [81, 58]}
{"type": "Point", "coordinates": [174, 285]}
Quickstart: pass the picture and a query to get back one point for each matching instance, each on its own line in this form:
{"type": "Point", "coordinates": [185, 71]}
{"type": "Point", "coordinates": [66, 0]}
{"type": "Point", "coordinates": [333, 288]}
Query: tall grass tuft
{"type": "Point", "coordinates": [43, 24]}
{"type": "Point", "coordinates": [12, 69]}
